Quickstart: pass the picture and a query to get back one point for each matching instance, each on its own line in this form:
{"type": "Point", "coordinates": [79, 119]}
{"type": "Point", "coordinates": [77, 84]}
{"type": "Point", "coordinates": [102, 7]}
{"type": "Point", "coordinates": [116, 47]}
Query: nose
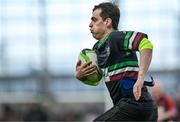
{"type": "Point", "coordinates": [90, 25]}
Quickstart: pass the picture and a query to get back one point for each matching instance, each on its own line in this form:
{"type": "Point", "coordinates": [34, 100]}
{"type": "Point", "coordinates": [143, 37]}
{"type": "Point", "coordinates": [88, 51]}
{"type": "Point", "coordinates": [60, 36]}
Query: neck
{"type": "Point", "coordinates": [106, 33]}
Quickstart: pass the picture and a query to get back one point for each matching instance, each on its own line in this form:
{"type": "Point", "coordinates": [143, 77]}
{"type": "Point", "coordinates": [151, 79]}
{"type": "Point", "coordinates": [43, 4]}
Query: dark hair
{"type": "Point", "coordinates": [109, 10]}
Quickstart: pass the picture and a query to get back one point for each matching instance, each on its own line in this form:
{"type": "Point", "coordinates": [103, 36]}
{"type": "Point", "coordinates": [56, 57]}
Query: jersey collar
{"type": "Point", "coordinates": [101, 42]}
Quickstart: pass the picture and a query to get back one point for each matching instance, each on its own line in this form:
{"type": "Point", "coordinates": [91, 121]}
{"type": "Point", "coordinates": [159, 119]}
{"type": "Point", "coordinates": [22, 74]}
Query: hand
{"type": "Point", "coordinates": [83, 70]}
{"type": "Point", "coordinates": [137, 88]}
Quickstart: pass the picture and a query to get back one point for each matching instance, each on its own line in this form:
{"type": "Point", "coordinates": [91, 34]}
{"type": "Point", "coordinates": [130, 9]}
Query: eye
{"type": "Point", "coordinates": [94, 19]}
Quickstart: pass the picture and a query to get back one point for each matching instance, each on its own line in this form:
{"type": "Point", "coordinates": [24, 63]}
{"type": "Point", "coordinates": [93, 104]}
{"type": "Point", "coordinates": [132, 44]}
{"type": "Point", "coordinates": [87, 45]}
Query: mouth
{"type": "Point", "coordinates": [91, 31]}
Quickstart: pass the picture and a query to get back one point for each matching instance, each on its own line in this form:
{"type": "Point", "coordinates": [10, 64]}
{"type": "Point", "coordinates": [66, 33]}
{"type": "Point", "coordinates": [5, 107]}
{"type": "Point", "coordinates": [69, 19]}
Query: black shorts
{"type": "Point", "coordinates": [128, 109]}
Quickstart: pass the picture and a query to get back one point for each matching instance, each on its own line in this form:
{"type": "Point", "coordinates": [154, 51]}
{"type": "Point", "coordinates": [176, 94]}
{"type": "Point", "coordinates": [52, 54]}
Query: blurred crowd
{"type": "Point", "coordinates": [168, 109]}
{"type": "Point", "coordinates": [37, 112]}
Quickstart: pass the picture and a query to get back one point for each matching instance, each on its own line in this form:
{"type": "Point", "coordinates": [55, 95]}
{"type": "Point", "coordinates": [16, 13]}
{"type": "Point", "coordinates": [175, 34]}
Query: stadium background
{"type": "Point", "coordinates": [39, 44]}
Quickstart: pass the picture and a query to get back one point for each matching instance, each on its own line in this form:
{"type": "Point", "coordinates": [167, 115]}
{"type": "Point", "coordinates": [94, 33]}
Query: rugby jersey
{"type": "Point", "coordinates": [117, 58]}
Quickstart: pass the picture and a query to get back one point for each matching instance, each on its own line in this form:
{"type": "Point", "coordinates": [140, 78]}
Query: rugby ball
{"type": "Point", "coordinates": [90, 55]}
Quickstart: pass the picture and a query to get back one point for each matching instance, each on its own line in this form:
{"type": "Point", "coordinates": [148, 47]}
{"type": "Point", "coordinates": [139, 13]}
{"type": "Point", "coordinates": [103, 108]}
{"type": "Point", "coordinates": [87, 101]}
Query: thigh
{"type": "Point", "coordinates": [150, 112]}
{"type": "Point", "coordinates": [107, 115]}
{"type": "Point", "coordinates": [153, 116]}
{"type": "Point", "coordinates": [123, 111]}
{"type": "Point", "coordinates": [141, 111]}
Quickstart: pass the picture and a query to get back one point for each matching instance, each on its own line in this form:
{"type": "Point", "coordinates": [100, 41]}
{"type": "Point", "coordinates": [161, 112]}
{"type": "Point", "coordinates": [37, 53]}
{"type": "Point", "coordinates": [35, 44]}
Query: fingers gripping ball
{"type": "Point", "coordinates": [90, 55]}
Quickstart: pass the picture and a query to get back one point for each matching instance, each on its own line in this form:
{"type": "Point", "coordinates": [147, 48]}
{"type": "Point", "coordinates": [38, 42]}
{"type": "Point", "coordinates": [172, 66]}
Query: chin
{"type": "Point", "coordinates": [95, 37]}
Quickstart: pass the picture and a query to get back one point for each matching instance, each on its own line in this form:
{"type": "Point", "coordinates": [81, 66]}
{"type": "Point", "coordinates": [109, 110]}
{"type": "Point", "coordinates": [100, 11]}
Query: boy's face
{"type": "Point", "coordinates": [98, 26]}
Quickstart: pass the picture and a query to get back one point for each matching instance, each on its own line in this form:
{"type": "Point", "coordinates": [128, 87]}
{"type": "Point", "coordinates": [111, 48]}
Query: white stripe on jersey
{"type": "Point", "coordinates": [131, 40]}
{"type": "Point", "coordinates": [115, 72]}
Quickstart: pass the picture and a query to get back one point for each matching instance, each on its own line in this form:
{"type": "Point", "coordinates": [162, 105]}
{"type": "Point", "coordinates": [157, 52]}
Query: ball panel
{"type": "Point", "coordinates": [90, 55]}
{"type": "Point", "coordinates": [95, 77]}
{"type": "Point", "coordinates": [87, 82]}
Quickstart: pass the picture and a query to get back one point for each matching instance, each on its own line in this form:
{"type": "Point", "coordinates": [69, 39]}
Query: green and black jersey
{"type": "Point", "coordinates": [117, 57]}
{"type": "Point", "coordinates": [117, 54]}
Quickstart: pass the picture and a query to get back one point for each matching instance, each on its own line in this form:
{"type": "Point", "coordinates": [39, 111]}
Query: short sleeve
{"type": "Point", "coordinates": [132, 39]}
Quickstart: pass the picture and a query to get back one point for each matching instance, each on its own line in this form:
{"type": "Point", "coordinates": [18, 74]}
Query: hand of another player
{"type": "Point", "coordinates": [137, 88]}
{"type": "Point", "coordinates": [83, 70]}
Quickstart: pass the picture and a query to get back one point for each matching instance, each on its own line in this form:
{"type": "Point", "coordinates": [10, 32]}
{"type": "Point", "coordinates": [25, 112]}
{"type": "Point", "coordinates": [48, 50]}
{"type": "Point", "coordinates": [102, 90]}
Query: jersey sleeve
{"type": "Point", "coordinates": [171, 108]}
{"type": "Point", "coordinates": [169, 102]}
{"type": "Point", "coordinates": [145, 44]}
{"type": "Point", "coordinates": [133, 39]}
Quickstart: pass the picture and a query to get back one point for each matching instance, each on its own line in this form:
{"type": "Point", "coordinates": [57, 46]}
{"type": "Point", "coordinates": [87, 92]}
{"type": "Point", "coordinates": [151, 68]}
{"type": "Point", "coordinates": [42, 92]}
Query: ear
{"type": "Point", "coordinates": [108, 22]}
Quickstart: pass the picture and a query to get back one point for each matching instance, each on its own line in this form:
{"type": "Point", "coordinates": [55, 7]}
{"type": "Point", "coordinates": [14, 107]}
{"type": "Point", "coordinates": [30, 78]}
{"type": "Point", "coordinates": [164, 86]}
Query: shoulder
{"type": "Point", "coordinates": [117, 34]}
{"type": "Point", "coordinates": [130, 33]}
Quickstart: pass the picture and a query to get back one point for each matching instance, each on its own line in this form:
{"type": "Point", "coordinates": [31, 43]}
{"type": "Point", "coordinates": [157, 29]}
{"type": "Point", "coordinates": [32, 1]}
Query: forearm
{"type": "Point", "coordinates": [145, 60]}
